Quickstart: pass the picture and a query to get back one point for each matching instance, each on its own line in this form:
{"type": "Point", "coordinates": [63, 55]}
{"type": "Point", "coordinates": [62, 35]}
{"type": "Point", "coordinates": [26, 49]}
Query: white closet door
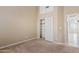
{"type": "Point", "coordinates": [49, 28]}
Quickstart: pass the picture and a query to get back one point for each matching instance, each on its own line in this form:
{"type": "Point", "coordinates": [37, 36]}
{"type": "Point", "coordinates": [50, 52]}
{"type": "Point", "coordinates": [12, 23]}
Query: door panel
{"type": "Point", "coordinates": [49, 29]}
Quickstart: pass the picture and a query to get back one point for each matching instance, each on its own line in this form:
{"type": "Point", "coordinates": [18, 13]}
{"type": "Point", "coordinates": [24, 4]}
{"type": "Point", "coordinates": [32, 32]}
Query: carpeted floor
{"type": "Point", "coordinates": [40, 46]}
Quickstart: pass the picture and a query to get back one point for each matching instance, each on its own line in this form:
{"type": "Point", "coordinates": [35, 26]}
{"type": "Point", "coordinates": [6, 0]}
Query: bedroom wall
{"type": "Point", "coordinates": [71, 9]}
{"type": "Point", "coordinates": [60, 24]}
{"type": "Point", "coordinates": [17, 24]}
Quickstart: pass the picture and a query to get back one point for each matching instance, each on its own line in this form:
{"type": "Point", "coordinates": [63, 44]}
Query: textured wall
{"type": "Point", "coordinates": [17, 24]}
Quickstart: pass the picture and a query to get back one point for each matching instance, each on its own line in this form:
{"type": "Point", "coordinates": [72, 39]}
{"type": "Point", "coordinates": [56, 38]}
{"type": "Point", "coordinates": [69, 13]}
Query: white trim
{"type": "Point", "coordinates": [65, 28]}
{"type": "Point", "coordinates": [16, 43]}
{"type": "Point", "coordinates": [38, 23]}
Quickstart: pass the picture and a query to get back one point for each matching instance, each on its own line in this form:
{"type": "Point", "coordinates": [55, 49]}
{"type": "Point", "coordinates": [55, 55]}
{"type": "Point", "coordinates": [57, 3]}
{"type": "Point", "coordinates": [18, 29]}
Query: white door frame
{"type": "Point", "coordinates": [52, 26]}
{"type": "Point", "coordinates": [65, 25]}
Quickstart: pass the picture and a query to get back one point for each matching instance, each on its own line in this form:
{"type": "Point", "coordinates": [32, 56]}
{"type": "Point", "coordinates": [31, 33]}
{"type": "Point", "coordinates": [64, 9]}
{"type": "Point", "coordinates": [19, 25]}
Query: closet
{"type": "Point", "coordinates": [46, 23]}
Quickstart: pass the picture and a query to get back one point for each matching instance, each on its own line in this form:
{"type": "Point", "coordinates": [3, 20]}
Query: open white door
{"type": "Point", "coordinates": [49, 28]}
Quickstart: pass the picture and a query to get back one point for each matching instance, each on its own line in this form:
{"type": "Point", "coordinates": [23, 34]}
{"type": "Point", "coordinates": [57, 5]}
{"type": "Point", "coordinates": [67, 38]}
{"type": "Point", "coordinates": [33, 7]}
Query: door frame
{"type": "Point", "coordinates": [52, 25]}
{"type": "Point", "coordinates": [66, 25]}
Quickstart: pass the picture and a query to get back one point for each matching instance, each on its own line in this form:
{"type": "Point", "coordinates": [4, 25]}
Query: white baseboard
{"type": "Point", "coordinates": [16, 43]}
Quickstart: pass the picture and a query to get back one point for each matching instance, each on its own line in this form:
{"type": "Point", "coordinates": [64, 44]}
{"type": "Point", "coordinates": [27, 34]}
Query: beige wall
{"type": "Point", "coordinates": [17, 24]}
{"type": "Point", "coordinates": [71, 9]}
{"type": "Point", "coordinates": [60, 24]}
{"type": "Point", "coordinates": [58, 15]}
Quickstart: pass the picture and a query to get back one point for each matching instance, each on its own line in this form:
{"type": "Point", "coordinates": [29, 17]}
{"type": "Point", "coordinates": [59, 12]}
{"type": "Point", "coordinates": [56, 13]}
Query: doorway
{"type": "Point", "coordinates": [46, 28]}
{"type": "Point", "coordinates": [73, 29]}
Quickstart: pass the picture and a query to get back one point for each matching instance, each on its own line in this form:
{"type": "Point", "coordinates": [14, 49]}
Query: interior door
{"type": "Point", "coordinates": [47, 28]}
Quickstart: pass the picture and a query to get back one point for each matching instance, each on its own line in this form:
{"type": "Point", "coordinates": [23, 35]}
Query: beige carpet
{"type": "Point", "coordinates": [40, 46]}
